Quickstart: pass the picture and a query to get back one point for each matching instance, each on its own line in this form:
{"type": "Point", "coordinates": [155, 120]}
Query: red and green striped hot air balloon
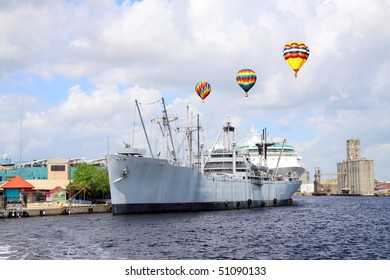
{"type": "Point", "coordinates": [246, 78]}
{"type": "Point", "coordinates": [203, 89]}
{"type": "Point", "coordinates": [296, 54]}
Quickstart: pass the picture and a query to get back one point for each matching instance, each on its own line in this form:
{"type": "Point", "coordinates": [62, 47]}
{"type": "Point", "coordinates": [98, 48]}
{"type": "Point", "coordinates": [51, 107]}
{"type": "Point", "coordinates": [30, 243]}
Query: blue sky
{"type": "Point", "coordinates": [51, 91]}
{"type": "Point", "coordinates": [72, 70]}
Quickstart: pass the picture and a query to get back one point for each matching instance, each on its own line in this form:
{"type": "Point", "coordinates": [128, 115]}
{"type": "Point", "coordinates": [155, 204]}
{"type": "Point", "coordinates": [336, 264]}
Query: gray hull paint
{"type": "Point", "coordinates": [146, 185]}
{"type": "Point", "coordinates": [192, 206]}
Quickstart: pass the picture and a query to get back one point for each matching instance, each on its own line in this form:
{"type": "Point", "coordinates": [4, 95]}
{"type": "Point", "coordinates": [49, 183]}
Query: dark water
{"type": "Point", "coordinates": [313, 228]}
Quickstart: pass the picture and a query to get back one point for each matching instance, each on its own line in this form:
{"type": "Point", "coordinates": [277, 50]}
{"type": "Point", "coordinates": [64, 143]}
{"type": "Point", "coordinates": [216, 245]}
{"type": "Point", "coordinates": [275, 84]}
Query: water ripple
{"type": "Point", "coordinates": [317, 228]}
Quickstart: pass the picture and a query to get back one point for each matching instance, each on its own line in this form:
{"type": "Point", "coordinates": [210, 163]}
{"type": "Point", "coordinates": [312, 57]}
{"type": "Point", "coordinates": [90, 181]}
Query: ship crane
{"type": "Point", "coordinates": [165, 129]}
{"type": "Point", "coordinates": [317, 178]}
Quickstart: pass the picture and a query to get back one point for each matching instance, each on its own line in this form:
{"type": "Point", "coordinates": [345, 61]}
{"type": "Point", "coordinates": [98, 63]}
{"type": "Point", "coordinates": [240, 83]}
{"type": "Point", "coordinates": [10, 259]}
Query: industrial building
{"type": "Point", "coordinates": [355, 175]}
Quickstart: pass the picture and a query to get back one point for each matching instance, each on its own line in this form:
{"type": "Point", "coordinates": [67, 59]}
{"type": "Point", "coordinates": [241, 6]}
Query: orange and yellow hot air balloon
{"type": "Point", "coordinates": [296, 54]}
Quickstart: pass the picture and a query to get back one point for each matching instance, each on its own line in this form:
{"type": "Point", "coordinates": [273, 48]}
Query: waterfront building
{"type": "Point", "coordinates": [382, 188]}
{"type": "Point", "coordinates": [52, 169]}
{"type": "Point", "coordinates": [49, 177]}
{"type": "Point", "coordinates": [58, 194]}
{"type": "Point", "coordinates": [45, 169]}
{"type": "Point", "coordinates": [355, 175]}
{"type": "Point", "coordinates": [16, 190]}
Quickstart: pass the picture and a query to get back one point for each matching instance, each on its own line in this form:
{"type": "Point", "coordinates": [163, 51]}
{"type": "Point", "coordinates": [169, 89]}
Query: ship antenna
{"type": "Point", "coordinates": [143, 125]}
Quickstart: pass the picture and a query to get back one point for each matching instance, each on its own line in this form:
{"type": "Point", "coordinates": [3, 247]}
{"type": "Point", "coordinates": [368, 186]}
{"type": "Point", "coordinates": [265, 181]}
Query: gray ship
{"type": "Point", "coordinates": [220, 179]}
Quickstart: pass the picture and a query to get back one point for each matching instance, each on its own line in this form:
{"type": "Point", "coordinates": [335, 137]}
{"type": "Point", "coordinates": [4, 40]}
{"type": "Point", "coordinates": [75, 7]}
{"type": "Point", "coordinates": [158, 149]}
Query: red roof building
{"type": "Point", "coordinates": [56, 194]}
{"type": "Point", "coordinates": [14, 188]}
{"type": "Point", "coordinates": [382, 189]}
{"type": "Point", "coordinates": [17, 183]}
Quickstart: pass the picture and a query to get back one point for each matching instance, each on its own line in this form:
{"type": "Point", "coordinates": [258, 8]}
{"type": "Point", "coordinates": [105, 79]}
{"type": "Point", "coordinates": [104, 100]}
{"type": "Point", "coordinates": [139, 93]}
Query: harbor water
{"type": "Point", "coordinates": [313, 228]}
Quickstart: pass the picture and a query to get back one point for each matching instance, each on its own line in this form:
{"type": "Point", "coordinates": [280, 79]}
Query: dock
{"type": "Point", "coordinates": [47, 210]}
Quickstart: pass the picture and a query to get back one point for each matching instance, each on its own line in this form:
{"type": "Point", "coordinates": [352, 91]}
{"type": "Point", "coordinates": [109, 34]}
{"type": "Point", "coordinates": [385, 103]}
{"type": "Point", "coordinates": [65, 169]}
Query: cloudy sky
{"type": "Point", "coordinates": [71, 70]}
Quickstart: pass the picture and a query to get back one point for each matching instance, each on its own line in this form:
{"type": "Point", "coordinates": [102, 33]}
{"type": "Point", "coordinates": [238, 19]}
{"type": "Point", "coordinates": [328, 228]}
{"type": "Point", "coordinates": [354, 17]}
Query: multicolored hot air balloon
{"type": "Point", "coordinates": [203, 89]}
{"type": "Point", "coordinates": [246, 78]}
{"type": "Point", "coordinates": [296, 54]}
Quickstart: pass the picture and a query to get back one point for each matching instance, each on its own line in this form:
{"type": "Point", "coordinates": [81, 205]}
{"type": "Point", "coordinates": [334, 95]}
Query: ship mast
{"type": "Point", "coordinates": [264, 142]}
{"type": "Point", "coordinates": [189, 131]}
{"type": "Point", "coordinates": [169, 130]}
{"type": "Point", "coordinates": [189, 136]}
{"type": "Point", "coordinates": [197, 127]}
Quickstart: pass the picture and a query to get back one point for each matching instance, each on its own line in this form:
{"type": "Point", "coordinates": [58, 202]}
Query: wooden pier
{"type": "Point", "coordinates": [24, 212]}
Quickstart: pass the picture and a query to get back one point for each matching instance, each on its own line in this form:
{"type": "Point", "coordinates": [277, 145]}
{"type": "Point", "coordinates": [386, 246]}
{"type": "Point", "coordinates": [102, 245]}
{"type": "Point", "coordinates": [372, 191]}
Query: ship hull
{"type": "Point", "coordinates": [147, 185]}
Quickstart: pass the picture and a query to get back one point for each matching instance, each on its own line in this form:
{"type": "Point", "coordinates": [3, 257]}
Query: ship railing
{"type": "Point", "coordinates": [81, 201]}
{"type": "Point", "coordinates": [223, 177]}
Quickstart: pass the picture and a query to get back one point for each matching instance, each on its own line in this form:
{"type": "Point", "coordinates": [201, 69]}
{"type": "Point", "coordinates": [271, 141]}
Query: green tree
{"type": "Point", "coordinates": [89, 182]}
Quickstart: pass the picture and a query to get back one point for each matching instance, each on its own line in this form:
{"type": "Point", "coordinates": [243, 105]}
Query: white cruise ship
{"type": "Point", "coordinates": [278, 156]}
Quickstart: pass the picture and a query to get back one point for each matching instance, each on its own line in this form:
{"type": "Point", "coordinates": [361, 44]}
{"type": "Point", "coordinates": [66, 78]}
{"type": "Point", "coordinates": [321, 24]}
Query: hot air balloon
{"type": "Point", "coordinates": [203, 89]}
{"type": "Point", "coordinates": [246, 78]}
{"type": "Point", "coordinates": [296, 54]}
